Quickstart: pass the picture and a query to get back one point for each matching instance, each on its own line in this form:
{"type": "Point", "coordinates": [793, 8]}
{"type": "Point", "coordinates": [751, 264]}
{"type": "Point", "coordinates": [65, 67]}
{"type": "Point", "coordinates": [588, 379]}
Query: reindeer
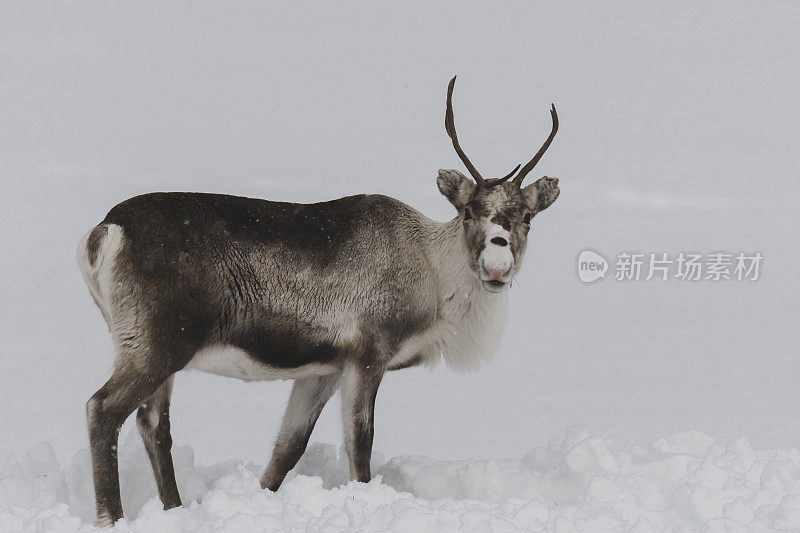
{"type": "Point", "coordinates": [331, 295]}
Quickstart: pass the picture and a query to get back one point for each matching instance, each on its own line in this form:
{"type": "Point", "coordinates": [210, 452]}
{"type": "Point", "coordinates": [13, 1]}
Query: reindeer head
{"type": "Point", "coordinates": [496, 213]}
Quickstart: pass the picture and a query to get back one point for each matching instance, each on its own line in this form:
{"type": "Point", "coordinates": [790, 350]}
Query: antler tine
{"type": "Point", "coordinates": [532, 163]}
{"type": "Point", "coordinates": [450, 127]}
{"type": "Point", "coordinates": [504, 178]}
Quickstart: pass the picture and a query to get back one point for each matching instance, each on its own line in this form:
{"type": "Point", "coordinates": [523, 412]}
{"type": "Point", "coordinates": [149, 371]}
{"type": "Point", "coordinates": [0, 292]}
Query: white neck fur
{"type": "Point", "coordinates": [471, 320]}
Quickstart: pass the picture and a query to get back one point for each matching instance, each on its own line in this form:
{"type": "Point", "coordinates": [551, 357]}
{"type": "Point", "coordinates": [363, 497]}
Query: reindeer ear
{"type": "Point", "coordinates": [456, 187]}
{"type": "Point", "coordinates": [541, 193]}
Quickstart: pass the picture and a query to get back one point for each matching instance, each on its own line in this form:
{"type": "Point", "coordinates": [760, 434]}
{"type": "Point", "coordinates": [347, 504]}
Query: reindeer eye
{"type": "Point", "coordinates": [467, 213]}
{"type": "Point", "coordinates": [526, 219]}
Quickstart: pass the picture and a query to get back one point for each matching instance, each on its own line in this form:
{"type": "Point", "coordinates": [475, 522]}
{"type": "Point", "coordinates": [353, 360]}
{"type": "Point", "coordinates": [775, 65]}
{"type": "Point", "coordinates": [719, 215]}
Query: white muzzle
{"type": "Point", "coordinates": [496, 262]}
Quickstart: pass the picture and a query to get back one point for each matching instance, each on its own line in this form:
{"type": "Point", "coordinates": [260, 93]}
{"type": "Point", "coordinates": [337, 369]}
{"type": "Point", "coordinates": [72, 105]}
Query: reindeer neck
{"type": "Point", "coordinates": [471, 320]}
{"type": "Point", "coordinates": [449, 258]}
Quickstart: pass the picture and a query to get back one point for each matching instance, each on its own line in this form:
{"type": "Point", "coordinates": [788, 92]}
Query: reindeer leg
{"type": "Point", "coordinates": [359, 388]}
{"type": "Point", "coordinates": [309, 396]}
{"type": "Point", "coordinates": [106, 410]}
{"type": "Point", "coordinates": [153, 423]}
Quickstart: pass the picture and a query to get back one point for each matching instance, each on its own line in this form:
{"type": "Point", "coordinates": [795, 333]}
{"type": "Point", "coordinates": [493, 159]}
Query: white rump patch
{"type": "Point", "coordinates": [98, 276]}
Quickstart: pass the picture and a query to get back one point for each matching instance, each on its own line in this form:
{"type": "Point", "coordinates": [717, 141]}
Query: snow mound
{"type": "Point", "coordinates": [582, 482]}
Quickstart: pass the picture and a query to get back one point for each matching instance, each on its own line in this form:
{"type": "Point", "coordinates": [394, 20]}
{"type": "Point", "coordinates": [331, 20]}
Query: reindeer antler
{"type": "Point", "coordinates": [450, 127]}
{"type": "Point", "coordinates": [504, 178]}
{"type": "Point", "coordinates": [532, 163]}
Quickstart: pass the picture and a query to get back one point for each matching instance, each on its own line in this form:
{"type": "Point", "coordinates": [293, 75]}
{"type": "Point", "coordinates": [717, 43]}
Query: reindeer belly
{"type": "Point", "coordinates": [233, 362]}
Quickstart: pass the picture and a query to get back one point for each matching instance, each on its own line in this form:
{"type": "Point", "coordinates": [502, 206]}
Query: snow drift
{"type": "Point", "coordinates": [581, 482]}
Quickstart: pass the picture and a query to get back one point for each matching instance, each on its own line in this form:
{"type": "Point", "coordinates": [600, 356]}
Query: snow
{"type": "Point", "coordinates": [580, 482]}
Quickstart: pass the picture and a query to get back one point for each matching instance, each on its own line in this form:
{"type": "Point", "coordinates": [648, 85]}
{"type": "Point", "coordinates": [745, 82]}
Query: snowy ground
{"type": "Point", "coordinates": [683, 482]}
